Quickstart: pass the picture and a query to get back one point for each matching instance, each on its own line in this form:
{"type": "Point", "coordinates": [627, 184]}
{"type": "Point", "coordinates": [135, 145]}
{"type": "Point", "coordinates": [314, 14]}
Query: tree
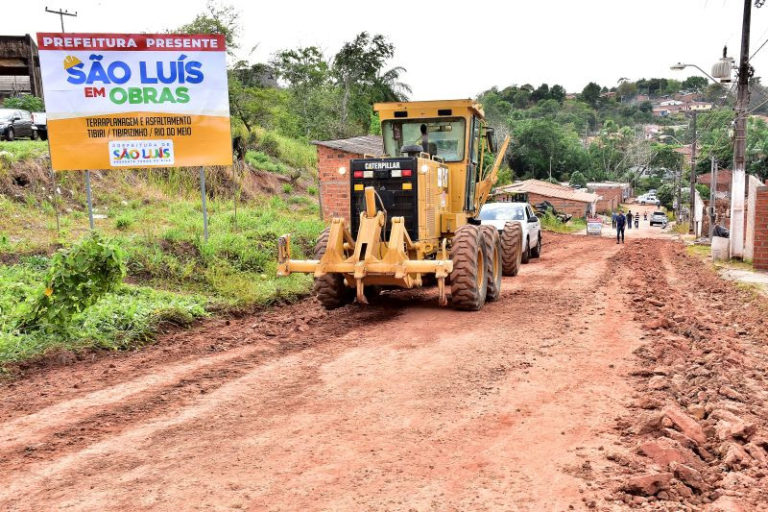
{"type": "Point", "coordinates": [357, 65]}
{"type": "Point", "coordinates": [591, 94]}
{"type": "Point", "coordinates": [541, 143]}
{"type": "Point", "coordinates": [664, 156]}
{"type": "Point", "coordinates": [216, 20]}
{"type": "Point", "coordinates": [695, 83]}
{"type": "Point", "coordinates": [627, 89]}
{"type": "Point", "coordinates": [666, 195]}
{"type": "Point", "coordinates": [757, 148]}
{"type": "Point", "coordinates": [714, 92]}
{"type": "Point", "coordinates": [577, 178]}
{"type": "Point", "coordinates": [541, 93]}
{"type": "Point", "coordinates": [306, 72]}
{"type": "Point", "coordinates": [557, 92]}
{"type": "Point", "coordinates": [522, 98]}
{"type": "Point", "coordinates": [25, 102]}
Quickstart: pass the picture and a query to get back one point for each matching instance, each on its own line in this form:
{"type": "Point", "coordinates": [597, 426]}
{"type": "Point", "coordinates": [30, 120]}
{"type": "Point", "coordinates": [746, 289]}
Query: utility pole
{"type": "Point", "coordinates": [740, 141]}
{"type": "Point", "coordinates": [88, 193]}
{"type": "Point", "coordinates": [691, 227]}
{"type": "Point", "coordinates": [61, 15]}
{"type": "Point", "coordinates": [712, 195]}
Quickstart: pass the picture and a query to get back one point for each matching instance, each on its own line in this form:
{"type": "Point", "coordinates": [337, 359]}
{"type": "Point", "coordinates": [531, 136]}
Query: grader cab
{"type": "Point", "coordinates": [414, 213]}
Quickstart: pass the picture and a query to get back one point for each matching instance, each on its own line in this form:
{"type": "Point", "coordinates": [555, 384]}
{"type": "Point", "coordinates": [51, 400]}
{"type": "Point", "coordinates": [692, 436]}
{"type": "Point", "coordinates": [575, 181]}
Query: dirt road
{"type": "Point", "coordinates": [550, 399]}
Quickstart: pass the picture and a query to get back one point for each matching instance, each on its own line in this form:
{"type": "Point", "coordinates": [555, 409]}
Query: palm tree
{"type": "Point", "coordinates": [388, 87]}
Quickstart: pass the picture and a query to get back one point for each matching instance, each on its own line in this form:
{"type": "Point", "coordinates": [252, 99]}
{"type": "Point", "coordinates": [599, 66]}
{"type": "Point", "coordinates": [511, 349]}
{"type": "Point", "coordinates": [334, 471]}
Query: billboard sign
{"type": "Point", "coordinates": [135, 100]}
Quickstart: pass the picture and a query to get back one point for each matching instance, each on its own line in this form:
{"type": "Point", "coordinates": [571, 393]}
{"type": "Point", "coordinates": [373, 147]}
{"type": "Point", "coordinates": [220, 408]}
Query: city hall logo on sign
{"type": "Point", "coordinates": [138, 153]}
{"type": "Point", "coordinates": [136, 100]}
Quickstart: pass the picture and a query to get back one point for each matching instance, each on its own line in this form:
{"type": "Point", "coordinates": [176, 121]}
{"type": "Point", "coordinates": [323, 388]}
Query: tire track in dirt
{"type": "Point", "coordinates": [72, 424]}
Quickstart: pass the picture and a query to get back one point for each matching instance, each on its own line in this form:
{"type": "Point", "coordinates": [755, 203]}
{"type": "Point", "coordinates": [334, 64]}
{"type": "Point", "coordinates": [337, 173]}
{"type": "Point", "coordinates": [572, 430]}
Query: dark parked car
{"type": "Point", "coordinates": [15, 123]}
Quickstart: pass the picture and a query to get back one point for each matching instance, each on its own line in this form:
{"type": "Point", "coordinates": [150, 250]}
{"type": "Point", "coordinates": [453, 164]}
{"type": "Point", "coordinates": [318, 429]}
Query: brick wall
{"type": "Point", "coordinates": [760, 259]}
{"type": "Point", "coordinates": [611, 198]}
{"type": "Point", "coordinates": [334, 188]}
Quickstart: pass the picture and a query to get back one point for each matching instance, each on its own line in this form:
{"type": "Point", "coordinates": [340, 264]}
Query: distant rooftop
{"type": "Point", "coordinates": [549, 189]}
{"type": "Point", "coordinates": [362, 145]}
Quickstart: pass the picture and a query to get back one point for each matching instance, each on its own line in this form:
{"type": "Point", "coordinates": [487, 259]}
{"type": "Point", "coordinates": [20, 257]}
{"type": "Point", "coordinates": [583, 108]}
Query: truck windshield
{"type": "Point", "coordinates": [501, 211]}
{"type": "Point", "coordinates": [443, 137]}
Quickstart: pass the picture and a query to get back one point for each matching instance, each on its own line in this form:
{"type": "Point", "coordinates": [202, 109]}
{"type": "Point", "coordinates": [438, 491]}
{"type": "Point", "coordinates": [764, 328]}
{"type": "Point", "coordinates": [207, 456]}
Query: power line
{"type": "Point", "coordinates": [61, 14]}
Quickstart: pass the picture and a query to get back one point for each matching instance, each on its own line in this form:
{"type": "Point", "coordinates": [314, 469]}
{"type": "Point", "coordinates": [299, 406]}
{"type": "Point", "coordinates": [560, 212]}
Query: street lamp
{"type": "Point", "coordinates": [680, 66]}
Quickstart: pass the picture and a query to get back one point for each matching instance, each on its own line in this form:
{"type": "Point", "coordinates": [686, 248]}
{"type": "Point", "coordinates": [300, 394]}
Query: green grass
{"type": "Point", "coordinates": [263, 162]}
{"type": "Point", "coordinates": [704, 252]}
{"type": "Point", "coordinates": [123, 319]}
{"type": "Point", "coordinates": [551, 223]}
{"type": "Point", "coordinates": [699, 251]}
{"type": "Point", "coordinates": [155, 216]}
{"type": "Point", "coordinates": [19, 150]}
{"type": "Point", "coordinates": [295, 153]}
{"type": "Point", "coordinates": [177, 276]}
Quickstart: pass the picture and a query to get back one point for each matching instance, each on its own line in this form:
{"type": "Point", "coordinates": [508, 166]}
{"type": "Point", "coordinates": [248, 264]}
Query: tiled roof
{"type": "Point", "coordinates": [363, 145]}
{"type": "Point", "coordinates": [549, 189]}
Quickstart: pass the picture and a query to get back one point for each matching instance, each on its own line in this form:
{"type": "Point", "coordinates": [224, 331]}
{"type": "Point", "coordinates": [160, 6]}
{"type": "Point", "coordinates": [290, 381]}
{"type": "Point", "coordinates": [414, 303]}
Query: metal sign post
{"type": "Point", "coordinates": [205, 207]}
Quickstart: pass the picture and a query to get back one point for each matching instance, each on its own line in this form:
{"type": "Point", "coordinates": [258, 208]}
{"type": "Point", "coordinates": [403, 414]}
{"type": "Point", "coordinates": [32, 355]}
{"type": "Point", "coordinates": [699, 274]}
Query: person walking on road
{"type": "Point", "coordinates": [613, 220]}
{"type": "Point", "coordinates": [620, 222]}
{"type": "Point", "coordinates": [629, 219]}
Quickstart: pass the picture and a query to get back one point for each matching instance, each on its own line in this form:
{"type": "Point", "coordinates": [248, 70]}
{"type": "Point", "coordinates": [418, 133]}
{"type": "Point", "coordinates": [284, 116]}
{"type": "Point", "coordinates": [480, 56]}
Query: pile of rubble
{"type": "Point", "coordinates": [699, 434]}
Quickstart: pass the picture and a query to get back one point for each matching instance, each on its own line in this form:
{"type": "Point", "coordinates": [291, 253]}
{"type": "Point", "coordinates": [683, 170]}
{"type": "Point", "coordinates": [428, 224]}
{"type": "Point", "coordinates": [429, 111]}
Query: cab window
{"type": "Point", "coordinates": [444, 137]}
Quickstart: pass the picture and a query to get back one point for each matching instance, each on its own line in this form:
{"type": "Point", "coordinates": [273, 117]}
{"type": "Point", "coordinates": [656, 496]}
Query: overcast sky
{"type": "Point", "coordinates": [456, 49]}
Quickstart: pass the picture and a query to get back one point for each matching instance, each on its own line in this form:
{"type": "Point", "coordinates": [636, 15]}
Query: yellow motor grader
{"type": "Point", "coordinates": [414, 213]}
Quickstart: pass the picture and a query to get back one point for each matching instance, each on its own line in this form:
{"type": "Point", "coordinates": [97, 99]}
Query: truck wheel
{"type": "Point", "coordinates": [536, 251]}
{"type": "Point", "coordinates": [525, 256]}
{"type": "Point", "coordinates": [469, 284]}
{"type": "Point", "coordinates": [34, 135]}
{"type": "Point", "coordinates": [331, 289]}
{"type": "Point", "coordinates": [492, 246]}
{"type": "Point", "coordinates": [9, 136]}
{"type": "Point", "coordinates": [511, 255]}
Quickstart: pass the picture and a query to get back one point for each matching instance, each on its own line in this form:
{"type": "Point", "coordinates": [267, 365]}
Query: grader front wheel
{"type": "Point", "coordinates": [511, 248]}
{"type": "Point", "coordinates": [330, 289]}
{"type": "Point", "coordinates": [469, 284]}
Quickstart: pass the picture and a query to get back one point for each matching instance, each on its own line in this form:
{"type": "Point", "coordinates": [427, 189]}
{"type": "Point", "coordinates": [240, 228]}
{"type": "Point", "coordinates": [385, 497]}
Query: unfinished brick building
{"type": "Point", "coordinates": [334, 155]}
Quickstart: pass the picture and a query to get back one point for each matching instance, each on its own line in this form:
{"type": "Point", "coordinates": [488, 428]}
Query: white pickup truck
{"type": "Point", "coordinates": [648, 199]}
{"type": "Point", "coordinates": [40, 122]}
{"type": "Point", "coordinates": [498, 214]}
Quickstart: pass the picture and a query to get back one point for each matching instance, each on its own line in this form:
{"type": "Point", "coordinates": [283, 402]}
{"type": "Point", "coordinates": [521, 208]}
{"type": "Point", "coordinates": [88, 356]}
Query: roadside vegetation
{"type": "Point", "coordinates": [153, 219]}
{"type": "Point", "coordinates": [550, 222]}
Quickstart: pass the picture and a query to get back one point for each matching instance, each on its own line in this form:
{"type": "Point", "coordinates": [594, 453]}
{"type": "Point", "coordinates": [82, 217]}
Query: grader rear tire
{"type": "Point", "coordinates": [469, 284]}
{"type": "Point", "coordinates": [330, 289]}
{"type": "Point", "coordinates": [511, 248]}
{"type": "Point", "coordinates": [492, 245]}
